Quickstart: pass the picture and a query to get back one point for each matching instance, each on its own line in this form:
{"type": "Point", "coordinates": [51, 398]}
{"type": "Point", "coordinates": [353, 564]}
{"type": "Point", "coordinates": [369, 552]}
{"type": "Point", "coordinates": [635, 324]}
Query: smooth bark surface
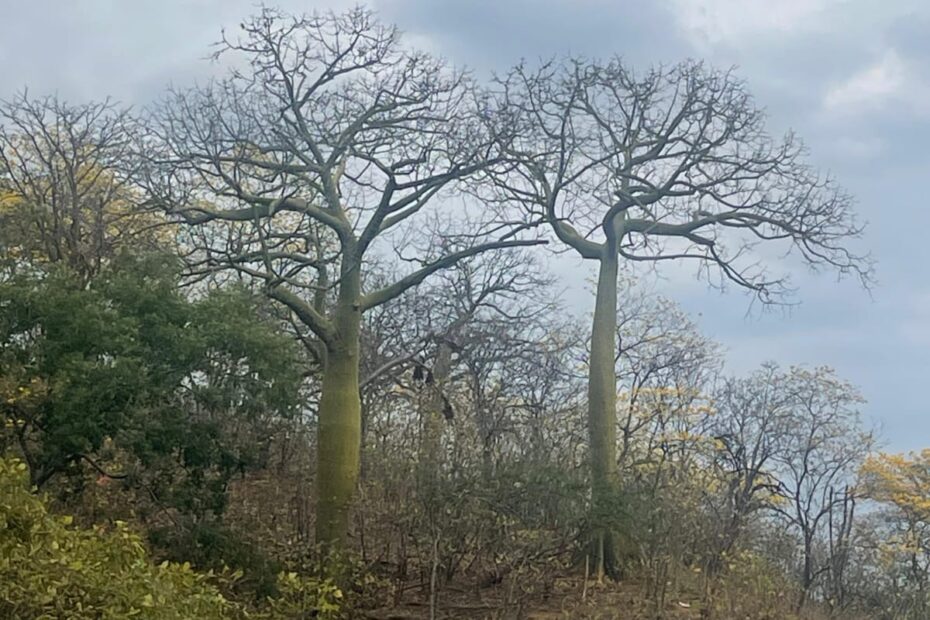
{"type": "Point", "coordinates": [602, 412]}
{"type": "Point", "coordinates": [339, 442]}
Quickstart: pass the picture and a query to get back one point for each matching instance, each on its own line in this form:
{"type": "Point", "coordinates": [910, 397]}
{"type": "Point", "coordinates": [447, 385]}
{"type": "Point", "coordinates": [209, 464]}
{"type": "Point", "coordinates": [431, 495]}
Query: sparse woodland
{"type": "Point", "coordinates": [282, 345]}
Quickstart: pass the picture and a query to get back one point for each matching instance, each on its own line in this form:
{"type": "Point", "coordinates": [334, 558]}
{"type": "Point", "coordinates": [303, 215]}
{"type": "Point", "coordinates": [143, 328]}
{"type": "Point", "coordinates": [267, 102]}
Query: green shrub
{"type": "Point", "coordinates": [305, 597]}
{"type": "Point", "coordinates": [51, 570]}
{"type": "Point", "coordinates": [212, 546]}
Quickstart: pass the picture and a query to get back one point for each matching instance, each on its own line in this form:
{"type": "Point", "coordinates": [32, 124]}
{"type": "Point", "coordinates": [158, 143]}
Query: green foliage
{"type": "Point", "coordinates": [173, 395]}
{"type": "Point", "coordinates": [51, 570]}
{"type": "Point", "coordinates": [68, 341]}
{"type": "Point", "coordinates": [211, 545]}
{"type": "Point", "coordinates": [306, 597]}
{"type": "Point", "coordinates": [188, 388]}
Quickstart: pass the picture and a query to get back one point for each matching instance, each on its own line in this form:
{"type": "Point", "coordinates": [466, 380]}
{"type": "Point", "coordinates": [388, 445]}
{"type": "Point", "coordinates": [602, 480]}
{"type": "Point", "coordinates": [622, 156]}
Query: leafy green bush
{"type": "Point", "coordinates": [183, 393]}
{"type": "Point", "coordinates": [303, 597]}
{"type": "Point", "coordinates": [50, 570]}
{"type": "Point", "coordinates": [210, 545]}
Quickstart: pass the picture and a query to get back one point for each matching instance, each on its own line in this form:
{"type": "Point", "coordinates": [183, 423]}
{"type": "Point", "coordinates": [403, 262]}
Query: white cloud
{"type": "Point", "coordinates": [714, 22]}
{"type": "Point", "coordinates": [870, 87]}
{"type": "Point", "coordinates": [891, 80]}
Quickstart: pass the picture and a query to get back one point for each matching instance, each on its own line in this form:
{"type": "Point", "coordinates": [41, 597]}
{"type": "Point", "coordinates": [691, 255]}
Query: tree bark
{"type": "Point", "coordinates": [807, 577]}
{"type": "Point", "coordinates": [431, 423]}
{"type": "Point", "coordinates": [339, 435]}
{"type": "Point", "coordinates": [602, 414]}
{"type": "Point", "coordinates": [339, 441]}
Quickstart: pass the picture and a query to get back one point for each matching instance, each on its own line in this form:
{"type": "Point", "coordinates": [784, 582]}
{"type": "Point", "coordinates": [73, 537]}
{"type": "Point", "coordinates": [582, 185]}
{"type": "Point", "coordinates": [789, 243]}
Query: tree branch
{"type": "Point", "coordinates": [388, 293]}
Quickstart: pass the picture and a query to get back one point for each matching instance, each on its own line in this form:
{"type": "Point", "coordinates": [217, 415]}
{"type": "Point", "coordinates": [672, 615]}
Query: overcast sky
{"type": "Point", "coordinates": [852, 77]}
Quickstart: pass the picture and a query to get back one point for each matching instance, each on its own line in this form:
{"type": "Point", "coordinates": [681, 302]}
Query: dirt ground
{"type": "Point", "coordinates": [568, 598]}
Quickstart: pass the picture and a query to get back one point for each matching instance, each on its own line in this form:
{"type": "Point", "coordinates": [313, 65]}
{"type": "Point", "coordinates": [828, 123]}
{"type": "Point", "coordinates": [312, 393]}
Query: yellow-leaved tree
{"type": "Point", "coordinates": [900, 484]}
{"type": "Point", "coordinates": [66, 195]}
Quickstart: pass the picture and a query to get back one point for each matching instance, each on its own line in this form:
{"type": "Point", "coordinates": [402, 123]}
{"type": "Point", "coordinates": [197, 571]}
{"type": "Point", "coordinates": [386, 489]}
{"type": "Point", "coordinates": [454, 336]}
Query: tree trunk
{"type": "Point", "coordinates": [807, 576]}
{"type": "Point", "coordinates": [338, 445]}
{"type": "Point", "coordinates": [429, 458]}
{"type": "Point", "coordinates": [602, 415]}
{"type": "Point", "coordinates": [339, 436]}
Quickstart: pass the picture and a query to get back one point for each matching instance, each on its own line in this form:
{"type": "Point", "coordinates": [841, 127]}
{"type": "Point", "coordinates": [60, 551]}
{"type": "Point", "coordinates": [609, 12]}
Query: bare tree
{"type": "Point", "coordinates": [825, 446]}
{"type": "Point", "coordinates": [749, 431]}
{"type": "Point", "coordinates": [327, 136]}
{"type": "Point", "coordinates": [659, 348]}
{"type": "Point", "coordinates": [670, 165]}
{"type": "Point", "coordinates": [840, 539]}
{"type": "Point", "coordinates": [63, 195]}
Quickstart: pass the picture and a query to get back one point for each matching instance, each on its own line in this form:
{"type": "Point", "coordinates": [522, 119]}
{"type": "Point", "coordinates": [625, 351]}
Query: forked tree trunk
{"type": "Point", "coordinates": [602, 416]}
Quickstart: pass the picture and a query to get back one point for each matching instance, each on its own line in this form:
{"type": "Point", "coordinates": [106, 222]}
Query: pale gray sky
{"type": "Point", "coordinates": [851, 76]}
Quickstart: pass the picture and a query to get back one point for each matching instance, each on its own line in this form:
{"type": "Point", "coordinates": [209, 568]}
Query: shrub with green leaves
{"type": "Point", "coordinates": [190, 391]}
{"type": "Point", "coordinates": [50, 569]}
{"type": "Point", "coordinates": [306, 597]}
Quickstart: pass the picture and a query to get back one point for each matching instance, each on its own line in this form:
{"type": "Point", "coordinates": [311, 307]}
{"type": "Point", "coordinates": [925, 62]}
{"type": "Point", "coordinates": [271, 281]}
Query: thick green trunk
{"type": "Point", "coordinates": [339, 436]}
{"type": "Point", "coordinates": [602, 415]}
{"type": "Point", "coordinates": [339, 443]}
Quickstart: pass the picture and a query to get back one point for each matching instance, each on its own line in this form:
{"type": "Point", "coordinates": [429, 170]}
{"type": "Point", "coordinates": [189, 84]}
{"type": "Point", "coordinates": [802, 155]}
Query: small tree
{"type": "Point", "coordinates": [824, 447]}
{"type": "Point", "coordinates": [327, 136]}
{"type": "Point", "coordinates": [749, 432]}
{"type": "Point", "coordinates": [900, 484]}
{"type": "Point", "coordinates": [64, 195]}
{"type": "Point", "coordinates": [670, 165]}
{"type": "Point", "coordinates": [53, 570]}
{"type": "Point", "coordinates": [179, 392]}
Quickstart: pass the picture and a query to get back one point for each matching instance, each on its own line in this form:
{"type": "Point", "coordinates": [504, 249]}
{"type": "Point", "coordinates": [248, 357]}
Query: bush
{"type": "Point", "coordinates": [306, 597]}
{"type": "Point", "coordinates": [211, 546]}
{"type": "Point", "coordinates": [49, 569]}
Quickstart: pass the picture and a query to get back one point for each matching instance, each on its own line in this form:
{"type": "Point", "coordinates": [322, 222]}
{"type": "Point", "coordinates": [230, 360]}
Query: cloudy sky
{"type": "Point", "coordinates": [852, 77]}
